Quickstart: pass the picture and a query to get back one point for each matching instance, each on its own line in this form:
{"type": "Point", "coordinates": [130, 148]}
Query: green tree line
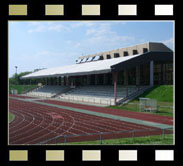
{"type": "Point", "coordinates": [16, 79]}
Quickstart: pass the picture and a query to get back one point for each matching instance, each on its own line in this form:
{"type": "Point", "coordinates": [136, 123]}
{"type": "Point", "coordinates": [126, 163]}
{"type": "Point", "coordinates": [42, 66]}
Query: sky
{"type": "Point", "coordinates": [46, 44]}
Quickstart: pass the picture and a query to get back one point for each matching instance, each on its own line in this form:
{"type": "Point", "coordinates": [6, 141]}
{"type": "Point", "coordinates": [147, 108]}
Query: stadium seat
{"type": "Point", "coordinates": [47, 91]}
{"type": "Point", "coordinates": [101, 94]}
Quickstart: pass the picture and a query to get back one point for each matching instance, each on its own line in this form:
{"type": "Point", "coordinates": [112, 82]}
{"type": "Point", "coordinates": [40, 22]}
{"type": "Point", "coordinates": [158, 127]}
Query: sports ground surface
{"type": "Point", "coordinates": [43, 121]}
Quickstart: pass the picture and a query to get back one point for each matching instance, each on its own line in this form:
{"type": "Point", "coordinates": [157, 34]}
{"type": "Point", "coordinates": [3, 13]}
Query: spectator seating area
{"type": "Point", "coordinates": [48, 91]}
{"type": "Point", "coordinates": [99, 94]}
{"type": "Point", "coordinates": [95, 94]}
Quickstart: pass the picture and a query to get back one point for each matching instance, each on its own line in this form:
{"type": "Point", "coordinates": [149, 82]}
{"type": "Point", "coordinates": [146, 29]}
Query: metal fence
{"type": "Point", "coordinates": [136, 106]}
{"type": "Point", "coordinates": [64, 139]}
{"type": "Point", "coordinates": [147, 104]}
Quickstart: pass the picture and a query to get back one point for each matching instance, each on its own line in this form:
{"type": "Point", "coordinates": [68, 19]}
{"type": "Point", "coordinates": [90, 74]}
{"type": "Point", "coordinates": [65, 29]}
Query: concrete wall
{"type": "Point", "coordinates": [151, 46]}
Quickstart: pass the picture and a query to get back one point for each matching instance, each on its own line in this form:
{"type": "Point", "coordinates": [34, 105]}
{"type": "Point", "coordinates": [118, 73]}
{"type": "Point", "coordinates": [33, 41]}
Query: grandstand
{"type": "Point", "coordinates": [108, 77]}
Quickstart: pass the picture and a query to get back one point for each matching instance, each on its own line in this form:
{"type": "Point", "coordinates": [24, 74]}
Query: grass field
{"type": "Point", "coordinates": [11, 117]}
{"type": "Point", "coordinates": [149, 140]}
{"type": "Point", "coordinates": [163, 93]}
{"type": "Point", "coordinates": [21, 88]}
{"type": "Point", "coordinates": [164, 96]}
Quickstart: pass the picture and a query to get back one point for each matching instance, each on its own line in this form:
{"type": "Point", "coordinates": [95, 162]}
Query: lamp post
{"type": "Point", "coordinates": [16, 69]}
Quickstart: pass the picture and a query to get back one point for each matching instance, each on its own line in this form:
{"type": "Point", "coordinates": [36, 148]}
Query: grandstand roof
{"type": "Point", "coordinates": [100, 66]}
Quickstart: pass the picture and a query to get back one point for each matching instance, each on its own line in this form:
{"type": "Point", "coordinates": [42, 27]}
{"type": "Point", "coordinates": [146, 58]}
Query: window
{"type": "Point", "coordinates": [108, 56]}
{"type": "Point", "coordinates": [135, 52]}
{"type": "Point", "coordinates": [81, 60]}
{"type": "Point", "coordinates": [116, 55]}
{"type": "Point", "coordinates": [93, 58]}
{"type": "Point", "coordinates": [145, 50]}
{"type": "Point", "coordinates": [169, 67]}
{"type": "Point", "coordinates": [125, 53]}
{"type": "Point", "coordinates": [101, 57]}
{"type": "Point", "coordinates": [169, 73]}
{"type": "Point", "coordinates": [157, 68]}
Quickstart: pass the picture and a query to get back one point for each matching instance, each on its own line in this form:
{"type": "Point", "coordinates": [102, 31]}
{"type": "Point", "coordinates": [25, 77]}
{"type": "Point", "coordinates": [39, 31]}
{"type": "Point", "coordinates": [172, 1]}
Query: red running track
{"type": "Point", "coordinates": [35, 123]}
{"type": "Point", "coordinates": [20, 96]}
{"type": "Point", "coordinates": [136, 115]}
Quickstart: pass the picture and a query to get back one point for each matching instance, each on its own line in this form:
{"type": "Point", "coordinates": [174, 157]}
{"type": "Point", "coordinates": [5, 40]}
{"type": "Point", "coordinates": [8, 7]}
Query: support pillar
{"type": "Point", "coordinates": [67, 81]}
{"type": "Point", "coordinates": [44, 81]}
{"type": "Point", "coordinates": [126, 81]}
{"type": "Point", "coordinates": [165, 73]}
{"type": "Point", "coordinates": [51, 81]}
{"type": "Point", "coordinates": [56, 81]}
{"type": "Point", "coordinates": [64, 81]}
{"type": "Point", "coordinates": [151, 73]}
{"type": "Point", "coordinates": [115, 87]}
{"type": "Point", "coordinates": [59, 81]}
{"type": "Point", "coordinates": [162, 73]}
{"type": "Point", "coordinates": [74, 80]}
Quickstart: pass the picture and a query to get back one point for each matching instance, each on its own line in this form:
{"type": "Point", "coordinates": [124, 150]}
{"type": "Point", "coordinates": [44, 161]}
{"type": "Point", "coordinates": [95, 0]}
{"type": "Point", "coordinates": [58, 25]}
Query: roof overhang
{"type": "Point", "coordinates": [143, 59]}
{"type": "Point", "coordinates": [103, 66]}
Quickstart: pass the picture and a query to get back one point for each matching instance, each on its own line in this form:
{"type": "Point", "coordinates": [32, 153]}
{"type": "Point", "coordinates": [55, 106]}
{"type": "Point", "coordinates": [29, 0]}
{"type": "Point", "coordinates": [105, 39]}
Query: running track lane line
{"type": "Point", "coordinates": [132, 120]}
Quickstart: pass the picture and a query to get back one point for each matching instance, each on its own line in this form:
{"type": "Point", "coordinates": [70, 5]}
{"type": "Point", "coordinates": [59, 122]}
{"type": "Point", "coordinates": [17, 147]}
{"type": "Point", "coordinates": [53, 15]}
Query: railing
{"type": "Point", "coordinates": [89, 100]}
{"type": "Point", "coordinates": [62, 91]}
{"type": "Point", "coordinates": [101, 136]}
{"type": "Point", "coordinates": [94, 100]}
{"type": "Point", "coordinates": [133, 95]}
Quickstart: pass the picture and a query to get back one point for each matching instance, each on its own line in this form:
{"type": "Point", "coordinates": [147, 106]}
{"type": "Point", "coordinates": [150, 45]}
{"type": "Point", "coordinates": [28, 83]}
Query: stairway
{"type": "Point", "coordinates": [132, 96]}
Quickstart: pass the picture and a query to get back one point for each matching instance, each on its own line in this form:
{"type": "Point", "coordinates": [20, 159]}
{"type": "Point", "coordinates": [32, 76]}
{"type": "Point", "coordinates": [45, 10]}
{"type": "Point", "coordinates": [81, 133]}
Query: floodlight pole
{"type": "Point", "coordinates": [16, 69]}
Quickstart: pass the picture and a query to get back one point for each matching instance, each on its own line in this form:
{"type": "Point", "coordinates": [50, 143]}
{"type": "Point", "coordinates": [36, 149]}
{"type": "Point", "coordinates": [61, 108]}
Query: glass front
{"type": "Point", "coordinates": [144, 74]}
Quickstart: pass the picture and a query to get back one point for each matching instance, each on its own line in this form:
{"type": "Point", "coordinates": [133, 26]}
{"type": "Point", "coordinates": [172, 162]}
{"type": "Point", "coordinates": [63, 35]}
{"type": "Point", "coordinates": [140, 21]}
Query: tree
{"type": "Point", "coordinates": [16, 78]}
